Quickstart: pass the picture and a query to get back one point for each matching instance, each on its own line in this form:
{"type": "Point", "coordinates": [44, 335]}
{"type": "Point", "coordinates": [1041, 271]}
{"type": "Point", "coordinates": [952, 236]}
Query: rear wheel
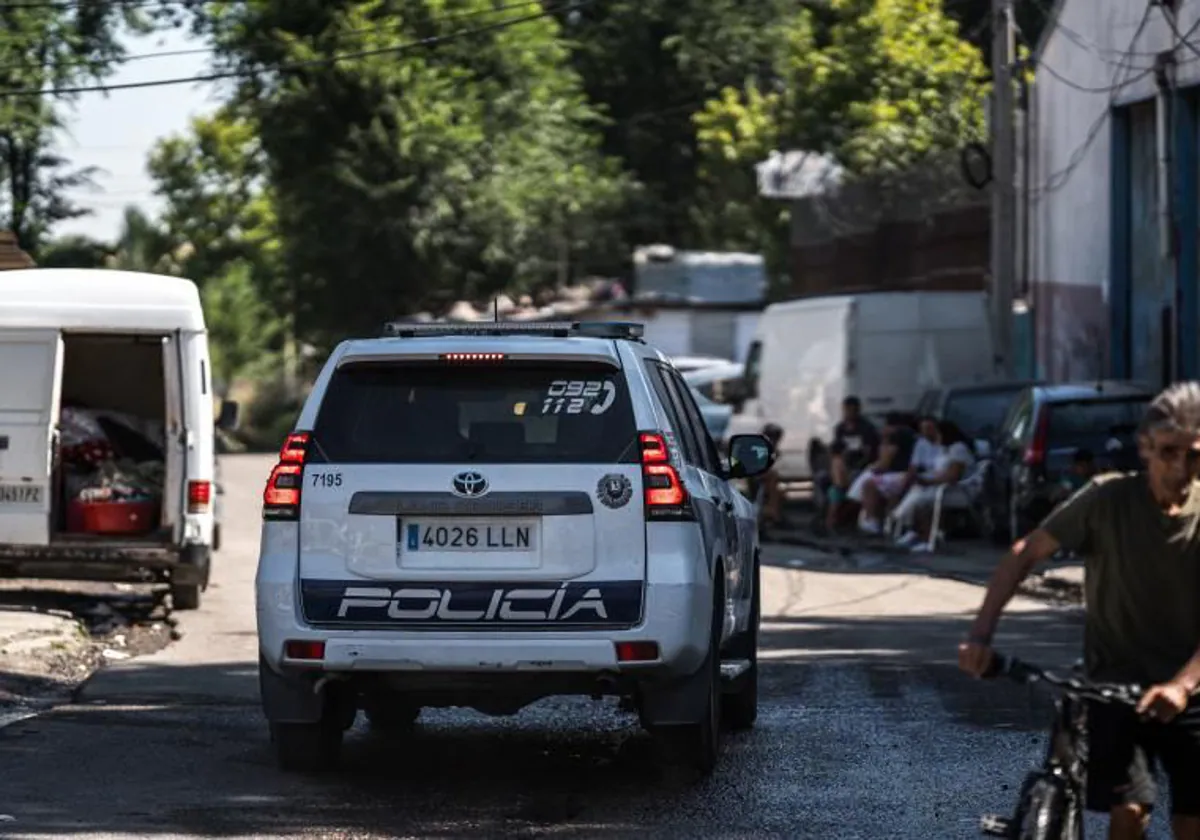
{"type": "Point", "coordinates": [697, 746]}
{"type": "Point", "coordinates": [306, 747]}
{"type": "Point", "coordinates": [1042, 812]}
{"type": "Point", "coordinates": [739, 708]}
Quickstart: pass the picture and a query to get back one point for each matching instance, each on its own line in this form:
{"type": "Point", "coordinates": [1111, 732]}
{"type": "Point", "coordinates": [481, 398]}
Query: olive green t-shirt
{"type": "Point", "coordinates": [1142, 577]}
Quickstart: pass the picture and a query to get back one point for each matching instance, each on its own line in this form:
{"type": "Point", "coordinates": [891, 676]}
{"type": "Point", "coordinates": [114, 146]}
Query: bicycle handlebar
{"type": "Point", "coordinates": [1024, 672]}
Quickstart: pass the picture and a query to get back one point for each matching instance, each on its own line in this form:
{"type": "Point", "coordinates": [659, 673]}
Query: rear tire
{"type": "Point", "coordinates": [739, 708]}
{"type": "Point", "coordinates": [1042, 812]}
{"type": "Point", "coordinates": [697, 746]}
{"type": "Point", "coordinates": [306, 747]}
{"type": "Point", "coordinates": [185, 596]}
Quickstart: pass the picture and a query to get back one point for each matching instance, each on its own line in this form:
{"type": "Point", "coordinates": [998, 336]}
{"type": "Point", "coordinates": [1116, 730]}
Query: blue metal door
{"type": "Point", "coordinates": [1150, 285]}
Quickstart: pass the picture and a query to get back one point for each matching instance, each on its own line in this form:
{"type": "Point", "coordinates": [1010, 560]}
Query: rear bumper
{"type": "Point", "coordinates": [112, 561]}
{"type": "Point", "coordinates": [676, 615]}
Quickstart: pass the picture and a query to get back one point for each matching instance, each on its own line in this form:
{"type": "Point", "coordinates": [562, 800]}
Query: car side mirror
{"type": "Point", "coordinates": [749, 456]}
{"type": "Point", "coordinates": [227, 420]}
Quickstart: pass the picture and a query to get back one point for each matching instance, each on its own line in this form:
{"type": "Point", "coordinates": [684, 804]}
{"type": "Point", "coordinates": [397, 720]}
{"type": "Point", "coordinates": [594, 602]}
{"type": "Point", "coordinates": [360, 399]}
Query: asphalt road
{"type": "Point", "coordinates": [866, 731]}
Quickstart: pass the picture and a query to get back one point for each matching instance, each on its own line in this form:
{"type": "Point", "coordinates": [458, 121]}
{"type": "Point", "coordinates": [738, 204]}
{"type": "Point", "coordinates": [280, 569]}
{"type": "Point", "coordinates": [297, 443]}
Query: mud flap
{"type": "Point", "coordinates": [679, 702]}
{"type": "Point", "coordinates": [288, 699]}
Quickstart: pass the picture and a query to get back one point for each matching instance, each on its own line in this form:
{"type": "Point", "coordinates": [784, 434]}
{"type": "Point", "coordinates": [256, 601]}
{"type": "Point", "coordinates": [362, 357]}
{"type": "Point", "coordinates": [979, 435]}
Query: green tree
{"type": "Point", "coordinates": [411, 175]}
{"type": "Point", "coordinates": [75, 251]}
{"type": "Point", "coordinates": [47, 46]}
{"type": "Point", "coordinates": [218, 202]}
{"type": "Point", "coordinates": [242, 328]}
{"type": "Point", "coordinates": [881, 85]}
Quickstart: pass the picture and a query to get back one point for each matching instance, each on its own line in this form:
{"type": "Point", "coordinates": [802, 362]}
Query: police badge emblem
{"type": "Point", "coordinates": [614, 491]}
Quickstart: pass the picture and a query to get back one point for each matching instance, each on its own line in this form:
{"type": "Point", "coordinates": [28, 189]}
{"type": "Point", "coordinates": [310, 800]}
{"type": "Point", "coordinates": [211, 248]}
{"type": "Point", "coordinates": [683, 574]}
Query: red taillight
{"type": "Point", "coordinates": [294, 649]}
{"type": "Point", "coordinates": [665, 495]}
{"type": "Point", "coordinates": [473, 357]}
{"type": "Point", "coordinates": [295, 448]}
{"type": "Point", "coordinates": [637, 651]}
{"type": "Point", "coordinates": [281, 498]}
{"type": "Point", "coordinates": [654, 448]}
{"type": "Point", "coordinates": [199, 496]}
{"type": "Point", "coordinates": [1035, 455]}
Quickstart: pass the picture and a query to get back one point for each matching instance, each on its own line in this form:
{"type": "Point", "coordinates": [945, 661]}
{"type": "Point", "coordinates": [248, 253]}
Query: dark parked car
{"type": "Point", "coordinates": [1037, 442]}
{"type": "Point", "coordinates": [978, 410]}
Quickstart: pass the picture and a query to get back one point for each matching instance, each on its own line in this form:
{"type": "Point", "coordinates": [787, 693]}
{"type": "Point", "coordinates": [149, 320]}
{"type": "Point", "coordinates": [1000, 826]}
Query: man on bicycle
{"type": "Point", "coordinates": [1140, 536]}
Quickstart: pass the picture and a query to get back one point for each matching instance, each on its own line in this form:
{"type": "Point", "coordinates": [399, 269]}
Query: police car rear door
{"type": "Point", "coordinates": [439, 482]}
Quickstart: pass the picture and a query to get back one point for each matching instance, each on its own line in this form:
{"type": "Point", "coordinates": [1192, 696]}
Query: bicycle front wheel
{"type": "Point", "coordinates": [1043, 811]}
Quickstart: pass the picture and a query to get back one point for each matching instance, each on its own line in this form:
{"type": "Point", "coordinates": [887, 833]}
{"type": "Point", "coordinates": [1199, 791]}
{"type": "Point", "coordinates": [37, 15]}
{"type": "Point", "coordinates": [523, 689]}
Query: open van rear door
{"type": "Point", "coordinates": [30, 390]}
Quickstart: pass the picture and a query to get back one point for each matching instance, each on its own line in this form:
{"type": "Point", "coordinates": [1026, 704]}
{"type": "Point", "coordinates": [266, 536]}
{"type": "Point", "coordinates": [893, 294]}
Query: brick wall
{"type": "Point", "coordinates": [11, 255]}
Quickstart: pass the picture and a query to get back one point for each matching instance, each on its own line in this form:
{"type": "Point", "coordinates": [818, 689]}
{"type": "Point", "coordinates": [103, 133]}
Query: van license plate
{"type": "Point", "coordinates": [514, 537]}
{"type": "Point", "coordinates": [20, 494]}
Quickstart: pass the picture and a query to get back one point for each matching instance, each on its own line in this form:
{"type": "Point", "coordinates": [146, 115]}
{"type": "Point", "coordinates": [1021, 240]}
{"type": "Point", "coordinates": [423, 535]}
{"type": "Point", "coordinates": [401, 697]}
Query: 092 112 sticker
{"type": "Point", "coordinates": [576, 396]}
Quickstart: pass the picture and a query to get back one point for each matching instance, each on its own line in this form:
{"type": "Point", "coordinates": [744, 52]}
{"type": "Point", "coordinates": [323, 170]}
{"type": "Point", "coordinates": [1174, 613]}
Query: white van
{"type": "Point", "coordinates": [887, 348]}
{"type": "Point", "coordinates": [107, 461]}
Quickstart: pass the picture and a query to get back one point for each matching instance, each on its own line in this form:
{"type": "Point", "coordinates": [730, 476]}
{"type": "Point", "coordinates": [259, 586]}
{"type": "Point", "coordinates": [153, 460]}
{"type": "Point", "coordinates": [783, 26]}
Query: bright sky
{"type": "Point", "coordinates": [116, 131]}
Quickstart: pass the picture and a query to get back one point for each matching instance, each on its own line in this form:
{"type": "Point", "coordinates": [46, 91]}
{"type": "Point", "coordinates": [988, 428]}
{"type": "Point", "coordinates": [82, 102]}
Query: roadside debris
{"type": "Point", "coordinates": [54, 635]}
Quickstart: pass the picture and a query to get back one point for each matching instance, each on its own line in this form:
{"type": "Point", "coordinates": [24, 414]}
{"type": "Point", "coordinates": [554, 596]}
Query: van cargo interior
{"type": "Point", "coordinates": [110, 465]}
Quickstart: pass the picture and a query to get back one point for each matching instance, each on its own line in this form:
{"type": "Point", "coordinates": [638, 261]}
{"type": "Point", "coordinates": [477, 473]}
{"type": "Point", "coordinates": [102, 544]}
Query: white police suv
{"type": "Point", "coordinates": [485, 515]}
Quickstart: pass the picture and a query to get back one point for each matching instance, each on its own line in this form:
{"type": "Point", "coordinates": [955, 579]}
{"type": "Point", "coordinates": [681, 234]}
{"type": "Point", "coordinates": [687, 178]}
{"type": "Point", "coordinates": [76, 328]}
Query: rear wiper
{"type": "Point", "coordinates": [312, 438]}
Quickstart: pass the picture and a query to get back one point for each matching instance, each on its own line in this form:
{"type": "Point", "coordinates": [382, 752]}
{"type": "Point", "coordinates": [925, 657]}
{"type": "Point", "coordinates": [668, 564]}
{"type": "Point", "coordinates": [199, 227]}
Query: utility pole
{"type": "Point", "coordinates": [1004, 202]}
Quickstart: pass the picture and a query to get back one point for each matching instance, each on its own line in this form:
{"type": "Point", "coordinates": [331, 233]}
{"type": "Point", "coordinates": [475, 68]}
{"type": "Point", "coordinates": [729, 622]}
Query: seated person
{"type": "Point", "coordinates": [855, 445]}
{"type": "Point", "coordinates": [882, 487]}
{"type": "Point", "coordinates": [915, 510]}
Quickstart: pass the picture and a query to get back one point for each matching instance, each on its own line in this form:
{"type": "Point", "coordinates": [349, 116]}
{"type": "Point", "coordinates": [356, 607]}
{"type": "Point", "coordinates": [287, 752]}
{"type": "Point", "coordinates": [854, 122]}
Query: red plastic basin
{"type": "Point", "coordinates": [112, 517]}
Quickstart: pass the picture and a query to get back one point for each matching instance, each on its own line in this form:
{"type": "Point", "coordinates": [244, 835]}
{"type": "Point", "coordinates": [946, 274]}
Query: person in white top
{"type": "Point", "coordinates": [954, 458]}
{"type": "Point", "coordinates": [879, 488]}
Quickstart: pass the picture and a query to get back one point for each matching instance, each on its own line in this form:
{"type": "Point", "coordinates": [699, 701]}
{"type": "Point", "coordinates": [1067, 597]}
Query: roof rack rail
{"type": "Point", "coordinates": [553, 329]}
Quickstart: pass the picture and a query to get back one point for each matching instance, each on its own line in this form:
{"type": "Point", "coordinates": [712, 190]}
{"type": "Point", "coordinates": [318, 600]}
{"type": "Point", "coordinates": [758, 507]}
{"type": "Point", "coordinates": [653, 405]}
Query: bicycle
{"type": "Point", "coordinates": [1050, 802]}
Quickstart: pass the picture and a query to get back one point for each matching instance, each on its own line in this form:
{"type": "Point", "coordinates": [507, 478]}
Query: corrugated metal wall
{"type": "Point", "coordinates": [1150, 286]}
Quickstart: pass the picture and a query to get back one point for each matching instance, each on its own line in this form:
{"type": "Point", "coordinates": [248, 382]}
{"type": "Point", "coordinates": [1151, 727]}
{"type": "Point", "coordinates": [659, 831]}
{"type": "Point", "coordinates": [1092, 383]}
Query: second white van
{"type": "Point", "coordinates": [107, 461]}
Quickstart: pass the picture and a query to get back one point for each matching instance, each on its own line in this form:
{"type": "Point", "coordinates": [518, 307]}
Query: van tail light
{"type": "Point", "coordinates": [1035, 454]}
{"type": "Point", "coordinates": [281, 498]}
{"type": "Point", "coordinates": [665, 495]}
{"type": "Point", "coordinates": [199, 496]}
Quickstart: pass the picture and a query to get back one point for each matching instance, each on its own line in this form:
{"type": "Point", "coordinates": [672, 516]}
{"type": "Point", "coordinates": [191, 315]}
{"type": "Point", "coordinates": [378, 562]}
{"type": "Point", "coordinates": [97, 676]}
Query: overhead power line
{"type": "Point", "coordinates": [1057, 180]}
{"type": "Point", "coordinates": [147, 56]}
{"type": "Point", "coordinates": [299, 65]}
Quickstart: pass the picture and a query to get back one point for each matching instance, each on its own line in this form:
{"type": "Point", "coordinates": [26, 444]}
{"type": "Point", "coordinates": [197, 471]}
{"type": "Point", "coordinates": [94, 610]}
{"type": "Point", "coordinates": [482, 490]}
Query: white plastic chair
{"type": "Point", "coordinates": [966, 491]}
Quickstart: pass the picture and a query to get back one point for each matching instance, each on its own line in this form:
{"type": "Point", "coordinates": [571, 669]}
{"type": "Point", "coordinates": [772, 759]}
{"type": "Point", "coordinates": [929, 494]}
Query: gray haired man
{"type": "Point", "coordinates": [1139, 533]}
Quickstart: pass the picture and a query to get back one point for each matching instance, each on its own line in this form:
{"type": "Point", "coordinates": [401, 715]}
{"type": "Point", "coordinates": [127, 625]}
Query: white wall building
{"type": "Point", "coordinates": [1113, 190]}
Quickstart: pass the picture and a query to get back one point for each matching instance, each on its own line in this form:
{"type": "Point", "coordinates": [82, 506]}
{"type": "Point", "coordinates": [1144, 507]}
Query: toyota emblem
{"type": "Point", "coordinates": [469, 485]}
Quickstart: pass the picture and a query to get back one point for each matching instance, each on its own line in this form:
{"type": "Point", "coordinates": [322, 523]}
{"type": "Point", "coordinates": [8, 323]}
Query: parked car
{"type": "Point", "coordinates": [687, 364]}
{"type": "Point", "coordinates": [715, 381]}
{"type": "Point", "coordinates": [979, 410]}
{"type": "Point", "coordinates": [1038, 440]}
{"type": "Point", "coordinates": [715, 417]}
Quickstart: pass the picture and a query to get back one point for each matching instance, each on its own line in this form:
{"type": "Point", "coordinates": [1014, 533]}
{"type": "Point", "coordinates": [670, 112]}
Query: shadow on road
{"type": "Point", "coordinates": [184, 748]}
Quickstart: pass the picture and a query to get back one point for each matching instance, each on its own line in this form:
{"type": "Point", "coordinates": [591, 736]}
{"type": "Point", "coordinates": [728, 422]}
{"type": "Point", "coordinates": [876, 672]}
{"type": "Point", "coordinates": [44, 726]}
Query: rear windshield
{"type": "Point", "coordinates": [1078, 422]}
{"type": "Point", "coordinates": [461, 412]}
{"type": "Point", "coordinates": [979, 414]}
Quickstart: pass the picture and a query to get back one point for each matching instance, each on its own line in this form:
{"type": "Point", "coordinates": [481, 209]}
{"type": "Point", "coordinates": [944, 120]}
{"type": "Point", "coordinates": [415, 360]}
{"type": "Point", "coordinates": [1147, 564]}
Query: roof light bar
{"type": "Point", "coordinates": [553, 329]}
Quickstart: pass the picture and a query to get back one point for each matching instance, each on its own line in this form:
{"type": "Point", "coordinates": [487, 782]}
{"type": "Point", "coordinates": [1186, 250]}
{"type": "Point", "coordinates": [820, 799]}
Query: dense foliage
{"type": "Point", "coordinates": [378, 157]}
